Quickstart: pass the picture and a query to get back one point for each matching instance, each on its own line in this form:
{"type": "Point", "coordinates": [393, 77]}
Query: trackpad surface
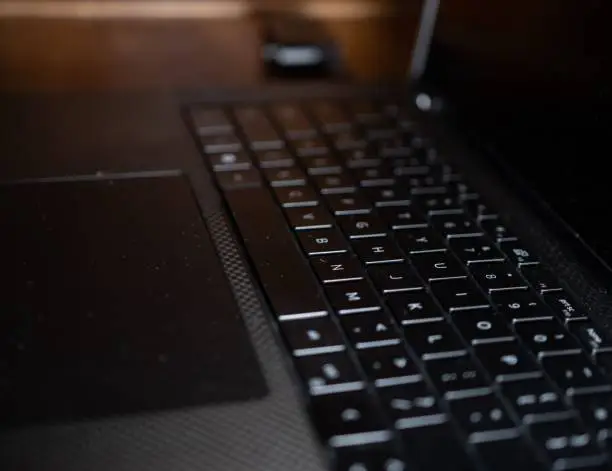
{"type": "Point", "coordinates": [113, 301]}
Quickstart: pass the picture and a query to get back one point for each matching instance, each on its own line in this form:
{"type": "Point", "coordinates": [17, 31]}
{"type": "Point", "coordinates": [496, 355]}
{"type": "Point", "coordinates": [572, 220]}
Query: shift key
{"type": "Point", "coordinates": [287, 280]}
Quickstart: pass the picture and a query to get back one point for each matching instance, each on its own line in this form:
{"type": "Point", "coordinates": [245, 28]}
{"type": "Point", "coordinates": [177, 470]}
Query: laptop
{"type": "Point", "coordinates": [327, 277]}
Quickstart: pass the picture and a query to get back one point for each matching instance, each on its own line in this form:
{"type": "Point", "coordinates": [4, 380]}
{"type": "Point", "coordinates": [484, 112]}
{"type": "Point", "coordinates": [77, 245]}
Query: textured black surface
{"type": "Point", "coordinates": [96, 135]}
{"type": "Point", "coordinates": [114, 302]}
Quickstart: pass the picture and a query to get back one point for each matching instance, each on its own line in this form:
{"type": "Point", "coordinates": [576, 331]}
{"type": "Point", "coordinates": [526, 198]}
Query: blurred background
{"type": "Point", "coordinates": [82, 44]}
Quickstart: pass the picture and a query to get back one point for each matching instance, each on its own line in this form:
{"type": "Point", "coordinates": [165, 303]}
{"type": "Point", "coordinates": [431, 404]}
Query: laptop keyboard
{"type": "Point", "coordinates": [426, 334]}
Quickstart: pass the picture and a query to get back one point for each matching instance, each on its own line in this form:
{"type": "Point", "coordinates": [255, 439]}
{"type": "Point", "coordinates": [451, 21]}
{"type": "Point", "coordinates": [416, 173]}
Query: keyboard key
{"type": "Point", "coordinates": [370, 330]}
{"type": "Point", "coordinates": [307, 147]}
{"type": "Point", "coordinates": [334, 184]}
{"type": "Point", "coordinates": [596, 412]}
{"type": "Point", "coordinates": [306, 218]}
{"type": "Point", "coordinates": [595, 339]}
{"type": "Point", "coordinates": [312, 336]}
{"type": "Point", "coordinates": [535, 400]}
{"type": "Point", "coordinates": [331, 116]}
{"type": "Point", "coordinates": [432, 340]}
{"type": "Point", "coordinates": [282, 177]}
{"type": "Point", "coordinates": [497, 230]}
{"type": "Point", "coordinates": [414, 307]}
{"type": "Point", "coordinates": [322, 242]}
{"type": "Point", "coordinates": [517, 252]}
{"type": "Point", "coordinates": [377, 250]}
{"type": "Point", "coordinates": [287, 280]}
{"type": "Point", "coordinates": [321, 165]}
{"type": "Point", "coordinates": [293, 121]}
{"type": "Point", "coordinates": [259, 130]}
{"type": "Point", "coordinates": [389, 197]}
{"type": "Point", "coordinates": [419, 240]}
{"type": "Point", "coordinates": [412, 405]}
{"type": "Point", "coordinates": [360, 158]}
{"type": "Point", "coordinates": [348, 204]}
{"type": "Point", "coordinates": [337, 268]}
{"type": "Point", "coordinates": [509, 455]}
{"type": "Point", "coordinates": [455, 225]}
{"type": "Point", "coordinates": [349, 419]}
{"type": "Point", "coordinates": [211, 121]}
{"type": "Point", "coordinates": [402, 218]}
{"type": "Point", "coordinates": [274, 158]}
{"type": "Point", "coordinates": [389, 366]}
{"type": "Point", "coordinates": [229, 161]}
{"type": "Point", "coordinates": [238, 179]}
{"type": "Point", "coordinates": [507, 361]}
{"type": "Point", "coordinates": [482, 327]}
{"type": "Point", "coordinates": [458, 294]}
{"type": "Point", "coordinates": [567, 445]}
{"type": "Point", "coordinates": [520, 306]}
{"type": "Point", "coordinates": [479, 210]}
{"type": "Point", "coordinates": [361, 225]}
{"type": "Point", "coordinates": [437, 204]}
{"type": "Point", "coordinates": [348, 140]}
{"type": "Point", "coordinates": [394, 278]}
{"type": "Point", "coordinates": [330, 373]}
{"type": "Point", "coordinates": [436, 447]}
{"type": "Point", "coordinates": [434, 266]}
{"type": "Point", "coordinates": [221, 144]}
{"type": "Point", "coordinates": [542, 280]}
{"type": "Point", "coordinates": [457, 377]}
{"type": "Point", "coordinates": [352, 297]}
{"type": "Point", "coordinates": [565, 307]}
{"type": "Point", "coordinates": [576, 375]}
{"type": "Point", "coordinates": [374, 176]}
{"type": "Point", "coordinates": [546, 338]}
{"type": "Point", "coordinates": [472, 250]}
{"type": "Point", "coordinates": [296, 197]}
{"type": "Point", "coordinates": [369, 458]}
{"type": "Point", "coordinates": [484, 419]}
{"type": "Point", "coordinates": [396, 146]}
{"type": "Point", "coordinates": [366, 111]}
{"type": "Point", "coordinates": [497, 277]}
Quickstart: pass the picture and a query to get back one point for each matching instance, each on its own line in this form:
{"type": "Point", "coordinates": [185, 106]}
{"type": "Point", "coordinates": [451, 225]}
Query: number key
{"type": "Point", "coordinates": [497, 277]}
{"type": "Point", "coordinates": [475, 250]}
{"type": "Point", "coordinates": [520, 306]}
{"type": "Point", "coordinates": [361, 225]}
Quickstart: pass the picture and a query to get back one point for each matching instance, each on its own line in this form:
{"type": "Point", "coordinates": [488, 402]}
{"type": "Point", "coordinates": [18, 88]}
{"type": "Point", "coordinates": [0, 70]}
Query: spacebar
{"type": "Point", "coordinates": [287, 280]}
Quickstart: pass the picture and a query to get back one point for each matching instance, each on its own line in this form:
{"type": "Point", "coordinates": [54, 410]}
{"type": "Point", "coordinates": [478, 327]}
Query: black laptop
{"type": "Point", "coordinates": [324, 277]}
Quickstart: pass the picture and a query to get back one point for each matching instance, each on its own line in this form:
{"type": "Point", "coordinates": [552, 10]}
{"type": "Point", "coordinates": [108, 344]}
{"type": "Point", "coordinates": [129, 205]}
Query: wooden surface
{"type": "Point", "coordinates": [60, 50]}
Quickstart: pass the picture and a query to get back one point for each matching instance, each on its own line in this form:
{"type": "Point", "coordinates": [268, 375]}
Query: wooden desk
{"type": "Point", "coordinates": [42, 48]}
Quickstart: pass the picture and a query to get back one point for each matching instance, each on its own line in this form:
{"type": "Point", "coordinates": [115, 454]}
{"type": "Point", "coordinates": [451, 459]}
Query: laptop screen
{"type": "Point", "coordinates": [533, 82]}
{"type": "Point", "coordinates": [548, 54]}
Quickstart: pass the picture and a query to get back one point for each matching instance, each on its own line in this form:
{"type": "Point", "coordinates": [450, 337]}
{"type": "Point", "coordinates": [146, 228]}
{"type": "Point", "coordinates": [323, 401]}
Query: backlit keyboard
{"type": "Point", "coordinates": [427, 335]}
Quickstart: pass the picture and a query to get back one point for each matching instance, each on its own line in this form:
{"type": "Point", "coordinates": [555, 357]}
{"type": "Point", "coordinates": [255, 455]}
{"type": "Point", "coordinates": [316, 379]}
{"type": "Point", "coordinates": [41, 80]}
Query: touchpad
{"type": "Point", "coordinates": [113, 301]}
